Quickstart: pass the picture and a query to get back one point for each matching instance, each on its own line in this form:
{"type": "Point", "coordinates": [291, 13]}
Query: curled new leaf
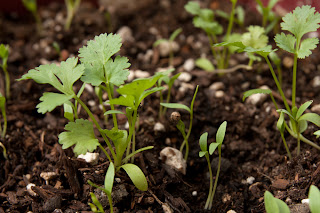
{"type": "Point", "coordinates": [255, 91]}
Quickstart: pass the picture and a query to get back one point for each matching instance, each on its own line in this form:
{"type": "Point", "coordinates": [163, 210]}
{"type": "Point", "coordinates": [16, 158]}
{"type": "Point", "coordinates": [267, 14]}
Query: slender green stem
{"type": "Point", "coordinates": [105, 152]}
{"type": "Point", "coordinates": [213, 50]}
{"type": "Point", "coordinates": [302, 138]}
{"type": "Point", "coordinates": [211, 182]}
{"type": "Point", "coordinates": [161, 113]}
{"type": "Point", "coordinates": [131, 131]}
{"type": "Point", "coordinates": [4, 115]}
{"type": "Point", "coordinates": [135, 114]}
{"type": "Point", "coordinates": [4, 152]}
{"type": "Point", "coordinates": [217, 177]}
{"type": "Point", "coordinates": [229, 29]}
{"type": "Point", "coordinates": [136, 152]}
{"type": "Point", "coordinates": [286, 145]}
{"type": "Point", "coordinates": [102, 105]}
{"type": "Point", "coordinates": [97, 125]}
{"type": "Point", "coordinates": [278, 84]}
{"type": "Point", "coordinates": [167, 100]}
{"type": "Point", "coordinates": [110, 203]}
{"type": "Point", "coordinates": [72, 7]}
{"type": "Point", "coordinates": [110, 96]}
{"type": "Point", "coordinates": [76, 102]}
{"type": "Point", "coordinates": [7, 79]}
{"type": "Point", "coordinates": [171, 54]}
{"type": "Point", "coordinates": [294, 79]}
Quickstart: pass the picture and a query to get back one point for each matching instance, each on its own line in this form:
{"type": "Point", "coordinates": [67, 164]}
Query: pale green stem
{"type": "Point", "coordinates": [211, 182]}
{"type": "Point", "coordinates": [134, 134]}
{"type": "Point", "coordinates": [286, 145]}
{"type": "Point", "coordinates": [110, 96]}
{"type": "Point", "coordinates": [161, 113]}
{"type": "Point", "coordinates": [98, 127]}
{"type": "Point", "coordinates": [7, 79]}
{"type": "Point", "coordinates": [167, 100]}
{"type": "Point", "coordinates": [229, 29]}
{"type": "Point", "coordinates": [278, 85]}
{"type": "Point", "coordinates": [302, 138]}
{"type": "Point", "coordinates": [72, 7]}
{"type": "Point", "coordinates": [131, 131]}
{"type": "Point", "coordinates": [4, 115]}
{"type": "Point", "coordinates": [75, 109]}
{"type": "Point", "coordinates": [217, 177]}
{"type": "Point", "coordinates": [110, 203]}
{"type": "Point", "coordinates": [294, 80]}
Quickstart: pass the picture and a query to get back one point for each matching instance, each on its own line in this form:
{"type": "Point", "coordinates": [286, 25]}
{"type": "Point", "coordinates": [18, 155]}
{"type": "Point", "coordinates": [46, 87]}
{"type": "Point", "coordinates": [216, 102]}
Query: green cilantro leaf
{"type": "Point", "coordinates": [93, 74]}
{"type": "Point", "coordinates": [116, 71]}
{"type": "Point", "coordinates": [306, 46]}
{"type": "Point", "coordinates": [255, 38]}
{"type": "Point", "coordinates": [286, 42]}
{"type": "Point", "coordinates": [60, 77]}
{"type": "Point", "coordinates": [100, 49]}
{"type": "Point", "coordinates": [193, 8]}
{"type": "Point", "coordinates": [80, 133]}
{"type": "Point", "coordinates": [301, 21]}
{"type": "Point", "coordinates": [4, 53]}
{"type": "Point", "coordinates": [50, 100]}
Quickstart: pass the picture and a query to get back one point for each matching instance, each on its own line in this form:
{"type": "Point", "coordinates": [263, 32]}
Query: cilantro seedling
{"type": "Point", "coordinates": [4, 54]}
{"type": "Point", "coordinates": [180, 125]}
{"type": "Point", "coordinates": [204, 152]}
{"type": "Point", "coordinates": [267, 14]}
{"type": "Point", "coordinates": [72, 7]}
{"type": "Point", "coordinates": [4, 151]}
{"type": "Point", "coordinates": [314, 197]}
{"type": "Point", "coordinates": [274, 205]}
{"type": "Point", "coordinates": [204, 19]}
{"type": "Point", "coordinates": [31, 5]}
{"type": "Point", "coordinates": [99, 69]}
{"type": "Point", "coordinates": [170, 41]}
{"type": "Point", "coordinates": [3, 129]}
{"type": "Point", "coordinates": [301, 21]}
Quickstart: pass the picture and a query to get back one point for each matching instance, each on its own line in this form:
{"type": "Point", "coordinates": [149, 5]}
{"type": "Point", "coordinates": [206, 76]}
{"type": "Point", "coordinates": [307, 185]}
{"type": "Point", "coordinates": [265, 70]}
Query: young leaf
{"type": "Point", "coordinates": [96, 203]}
{"type": "Point", "coordinates": [123, 101]}
{"type": "Point", "coordinates": [181, 127]}
{"type": "Point", "coordinates": [213, 147]}
{"type": "Point", "coordinates": [193, 8]}
{"type": "Point", "coordinates": [280, 123]}
{"type": "Point", "coordinates": [303, 108]}
{"type": "Point", "coordinates": [314, 197]}
{"type": "Point", "coordinates": [119, 138]}
{"type": "Point", "coordinates": [50, 100]}
{"type": "Point", "coordinates": [176, 106]}
{"type": "Point", "coordinates": [255, 38]}
{"type": "Point", "coordinates": [306, 46]}
{"type": "Point", "coordinates": [108, 181]}
{"type": "Point", "coordinates": [158, 42]}
{"type": "Point", "coordinates": [136, 175]}
{"type": "Point", "coordinates": [274, 205]}
{"type": "Point", "coordinates": [255, 91]}
{"type": "Point", "coordinates": [113, 112]}
{"type": "Point", "coordinates": [311, 117]}
{"type": "Point", "coordinates": [116, 71]}
{"type": "Point", "coordinates": [203, 141]}
{"type": "Point", "coordinates": [317, 133]}
{"type": "Point", "coordinates": [202, 153]}
{"type": "Point", "coordinates": [285, 111]}
{"type": "Point", "coordinates": [100, 49]}
{"type": "Point", "coordinates": [79, 133]}
{"type": "Point", "coordinates": [4, 53]}
{"type": "Point", "coordinates": [301, 21]}
{"type": "Point", "coordinates": [204, 64]}
{"type": "Point", "coordinates": [221, 132]}
{"type": "Point", "coordinates": [68, 72]}
{"type": "Point", "coordinates": [286, 42]}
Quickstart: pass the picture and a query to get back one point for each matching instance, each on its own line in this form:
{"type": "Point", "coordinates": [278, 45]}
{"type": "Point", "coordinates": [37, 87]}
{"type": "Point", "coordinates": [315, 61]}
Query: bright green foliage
{"type": "Point", "coordinates": [267, 14]}
{"type": "Point", "coordinates": [274, 205]}
{"type": "Point", "coordinates": [108, 181]}
{"type": "Point", "coordinates": [255, 38]}
{"type": "Point", "coordinates": [4, 115]}
{"type": "Point", "coordinates": [302, 20]}
{"type": "Point", "coordinates": [136, 175]}
{"type": "Point", "coordinates": [203, 142]}
{"type": "Point", "coordinates": [4, 54]}
{"type": "Point", "coordinates": [99, 67]}
{"type": "Point", "coordinates": [79, 133]}
{"type": "Point", "coordinates": [60, 77]}
{"type": "Point", "coordinates": [95, 204]}
{"type": "Point", "coordinates": [204, 64]}
{"type": "Point", "coordinates": [176, 106]}
{"type": "Point", "coordinates": [314, 197]}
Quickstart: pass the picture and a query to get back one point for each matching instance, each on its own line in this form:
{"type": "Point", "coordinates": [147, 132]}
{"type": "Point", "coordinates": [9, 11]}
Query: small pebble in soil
{"type": "Point", "coordinates": [216, 86]}
{"type": "Point", "coordinates": [185, 77]}
{"type": "Point", "coordinates": [316, 81]}
{"type": "Point", "coordinates": [126, 34]}
{"type": "Point", "coordinates": [231, 211]}
{"type": "Point", "coordinates": [141, 74]}
{"type": "Point", "coordinates": [166, 47]}
{"type": "Point", "coordinates": [29, 189]}
{"type": "Point", "coordinates": [219, 94]}
{"type": "Point", "coordinates": [189, 65]}
{"type": "Point", "coordinates": [305, 201]}
{"type": "Point", "coordinates": [175, 117]}
{"type": "Point", "coordinates": [288, 62]}
{"type": "Point", "coordinates": [159, 127]}
{"type": "Point", "coordinates": [194, 193]}
{"type": "Point", "coordinates": [226, 198]}
{"type": "Point", "coordinates": [89, 88]}
{"type": "Point", "coordinates": [174, 159]}
{"type": "Point", "coordinates": [118, 180]}
{"type": "Point", "coordinates": [250, 180]}
{"type": "Point", "coordinates": [89, 157]}
{"type": "Point", "coordinates": [316, 108]}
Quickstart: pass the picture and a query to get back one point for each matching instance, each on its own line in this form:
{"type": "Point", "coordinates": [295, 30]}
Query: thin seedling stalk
{"type": "Point", "coordinates": [211, 182]}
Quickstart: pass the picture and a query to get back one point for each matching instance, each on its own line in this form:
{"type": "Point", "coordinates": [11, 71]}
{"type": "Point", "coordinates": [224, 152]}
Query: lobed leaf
{"type": "Point", "coordinates": [314, 197]}
{"type": "Point", "coordinates": [255, 91]}
{"type": "Point", "coordinates": [286, 42]}
{"type": "Point", "coordinates": [116, 71]}
{"type": "Point", "coordinates": [255, 38]}
{"type": "Point", "coordinates": [136, 175]}
{"type": "Point", "coordinates": [79, 133]}
{"type": "Point", "coordinates": [301, 21]}
{"type": "Point", "coordinates": [192, 7]}
{"type": "Point", "coordinates": [50, 100]}
{"type": "Point", "coordinates": [68, 111]}
{"type": "Point", "coordinates": [100, 49]}
{"type": "Point", "coordinates": [127, 101]}
{"type": "Point", "coordinates": [306, 46]}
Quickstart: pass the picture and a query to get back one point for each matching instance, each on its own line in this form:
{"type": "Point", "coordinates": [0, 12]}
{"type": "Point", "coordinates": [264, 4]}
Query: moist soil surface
{"type": "Point", "coordinates": [254, 158]}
